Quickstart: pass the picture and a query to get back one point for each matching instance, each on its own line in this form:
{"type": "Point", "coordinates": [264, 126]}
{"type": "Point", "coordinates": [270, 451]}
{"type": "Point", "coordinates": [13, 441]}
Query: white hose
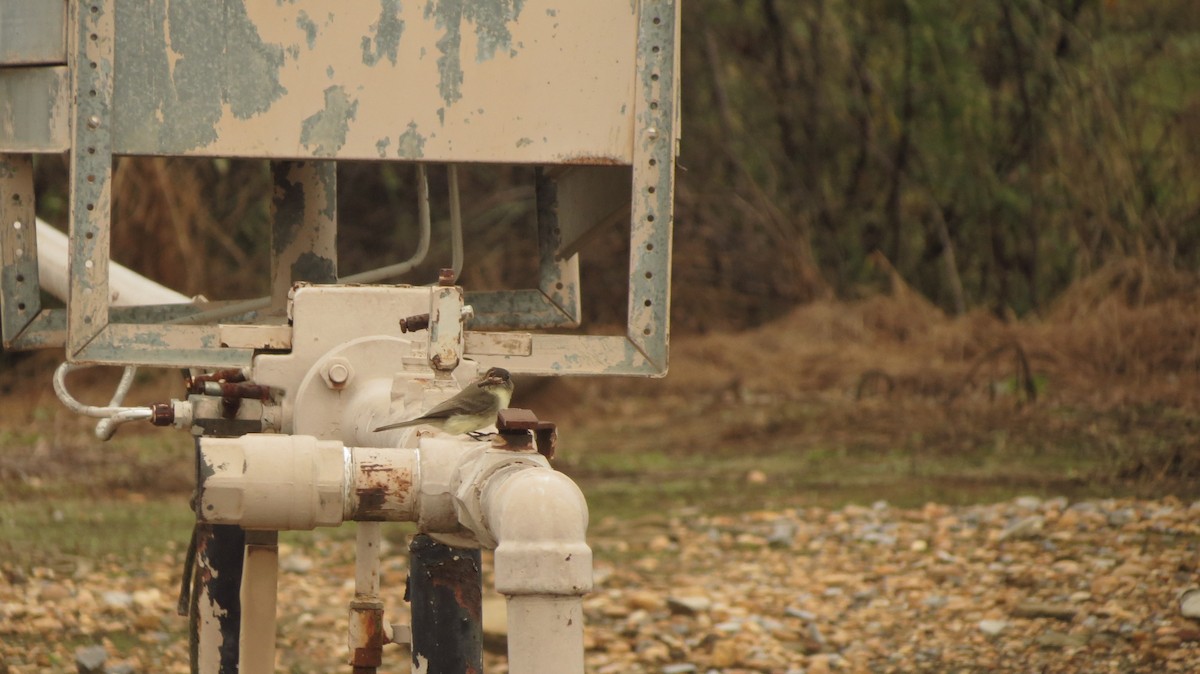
{"type": "Point", "coordinates": [111, 415]}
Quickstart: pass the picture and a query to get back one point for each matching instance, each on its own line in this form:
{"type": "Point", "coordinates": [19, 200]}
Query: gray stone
{"type": "Point", "coordinates": [117, 599]}
{"type": "Point", "coordinates": [992, 627]}
{"type": "Point", "coordinates": [681, 668]}
{"type": "Point", "coordinates": [793, 612]}
{"type": "Point", "coordinates": [688, 605]}
{"type": "Point", "coordinates": [90, 659]}
{"type": "Point", "coordinates": [1024, 528]}
{"type": "Point", "coordinates": [1189, 603]}
{"type": "Point", "coordinates": [1028, 502]}
{"type": "Point", "coordinates": [782, 534]}
{"type": "Point", "coordinates": [296, 564]}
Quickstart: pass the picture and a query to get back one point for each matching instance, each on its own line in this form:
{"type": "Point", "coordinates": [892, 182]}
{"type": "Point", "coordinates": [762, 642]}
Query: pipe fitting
{"type": "Point", "coordinates": [473, 475]}
{"type": "Point", "coordinates": [539, 519]}
{"type": "Point", "coordinates": [282, 482]}
{"type": "Point", "coordinates": [292, 482]}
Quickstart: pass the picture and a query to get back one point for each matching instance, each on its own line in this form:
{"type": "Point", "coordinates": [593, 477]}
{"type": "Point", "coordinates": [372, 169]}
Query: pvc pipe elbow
{"type": "Point", "coordinates": [539, 519]}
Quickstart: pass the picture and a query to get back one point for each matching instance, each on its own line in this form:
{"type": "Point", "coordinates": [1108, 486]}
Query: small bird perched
{"type": "Point", "coordinates": [471, 409]}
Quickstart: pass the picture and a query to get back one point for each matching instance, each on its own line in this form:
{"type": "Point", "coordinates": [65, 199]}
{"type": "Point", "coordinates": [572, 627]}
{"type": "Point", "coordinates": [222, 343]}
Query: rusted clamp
{"type": "Point", "coordinates": [515, 424]}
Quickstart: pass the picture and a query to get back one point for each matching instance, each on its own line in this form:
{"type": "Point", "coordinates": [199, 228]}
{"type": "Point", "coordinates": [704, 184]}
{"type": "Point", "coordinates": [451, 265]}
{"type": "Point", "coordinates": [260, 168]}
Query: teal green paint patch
{"type": "Point", "coordinates": [251, 65]}
{"type": "Point", "coordinates": [313, 268]}
{"type": "Point", "coordinates": [523, 142]}
{"type": "Point", "coordinates": [329, 72]}
{"type": "Point", "coordinates": [381, 146]}
{"type": "Point", "coordinates": [491, 19]}
{"type": "Point", "coordinates": [410, 144]}
{"type": "Point", "coordinates": [309, 27]}
{"type": "Point", "coordinates": [172, 102]}
{"type": "Point", "coordinates": [326, 130]}
{"type": "Point", "coordinates": [388, 30]}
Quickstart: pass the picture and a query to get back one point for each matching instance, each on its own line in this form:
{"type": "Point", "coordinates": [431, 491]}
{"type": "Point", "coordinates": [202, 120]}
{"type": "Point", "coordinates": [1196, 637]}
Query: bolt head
{"type": "Point", "coordinates": [339, 373]}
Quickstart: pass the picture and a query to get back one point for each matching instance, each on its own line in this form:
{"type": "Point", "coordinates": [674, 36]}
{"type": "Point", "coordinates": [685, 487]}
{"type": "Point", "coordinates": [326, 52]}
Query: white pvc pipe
{"type": "Point", "coordinates": [543, 564]}
{"type": "Point", "coordinates": [126, 287]}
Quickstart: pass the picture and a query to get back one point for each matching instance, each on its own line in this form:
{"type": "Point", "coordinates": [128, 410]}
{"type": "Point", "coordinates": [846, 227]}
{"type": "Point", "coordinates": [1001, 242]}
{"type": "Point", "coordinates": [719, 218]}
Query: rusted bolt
{"type": "Point", "coordinates": [414, 323]}
{"type": "Point", "coordinates": [445, 277]}
{"type": "Point", "coordinates": [93, 122]}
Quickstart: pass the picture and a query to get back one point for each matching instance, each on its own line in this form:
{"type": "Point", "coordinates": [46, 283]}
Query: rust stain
{"type": "Point", "coordinates": [592, 160]}
{"type": "Point", "coordinates": [460, 578]}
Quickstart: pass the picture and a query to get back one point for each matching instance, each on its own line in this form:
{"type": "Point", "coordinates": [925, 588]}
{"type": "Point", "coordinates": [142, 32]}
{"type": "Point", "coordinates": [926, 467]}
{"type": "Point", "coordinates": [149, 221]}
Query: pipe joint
{"type": "Point", "coordinates": [538, 518]}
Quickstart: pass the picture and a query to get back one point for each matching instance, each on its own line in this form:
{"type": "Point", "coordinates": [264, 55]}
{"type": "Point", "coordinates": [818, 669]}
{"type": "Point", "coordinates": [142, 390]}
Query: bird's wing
{"type": "Point", "coordinates": [468, 401]}
{"type": "Point", "coordinates": [465, 402]}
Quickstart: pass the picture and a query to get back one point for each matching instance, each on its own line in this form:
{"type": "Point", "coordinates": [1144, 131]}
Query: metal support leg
{"type": "Point", "coordinates": [260, 581]}
{"type": "Point", "coordinates": [304, 226]}
{"type": "Point", "coordinates": [445, 589]}
{"type": "Point", "coordinates": [216, 608]}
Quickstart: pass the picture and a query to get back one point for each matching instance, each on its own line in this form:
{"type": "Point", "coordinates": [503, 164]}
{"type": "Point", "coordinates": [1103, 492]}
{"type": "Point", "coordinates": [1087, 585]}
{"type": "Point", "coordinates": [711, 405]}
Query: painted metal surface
{"type": "Point", "coordinates": [260, 578]}
{"type": "Point", "coordinates": [653, 195]}
{"type": "Point", "coordinates": [215, 606]}
{"type": "Point", "coordinates": [446, 595]}
{"type": "Point", "coordinates": [303, 226]}
{"type": "Point", "coordinates": [391, 80]}
{"type": "Point", "coordinates": [34, 109]}
{"type": "Point", "coordinates": [94, 332]}
{"type": "Point", "coordinates": [33, 32]}
{"type": "Point", "coordinates": [446, 328]}
{"type": "Point", "coordinates": [20, 298]}
{"type": "Point", "coordinates": [90, 171]}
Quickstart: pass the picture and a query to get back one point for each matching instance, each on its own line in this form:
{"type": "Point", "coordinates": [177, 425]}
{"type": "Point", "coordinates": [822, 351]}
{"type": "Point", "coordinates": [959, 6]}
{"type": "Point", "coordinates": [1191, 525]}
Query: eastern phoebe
{"type": "Point", "coordinates": [471, 409]}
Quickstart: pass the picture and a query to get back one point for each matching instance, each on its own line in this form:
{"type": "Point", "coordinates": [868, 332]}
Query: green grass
{"type": "Point", "coordinates": [49, 530]}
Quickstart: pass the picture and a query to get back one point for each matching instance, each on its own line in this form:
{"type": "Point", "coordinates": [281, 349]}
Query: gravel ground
{"type": "Point", "coordinates": [1022, 586]}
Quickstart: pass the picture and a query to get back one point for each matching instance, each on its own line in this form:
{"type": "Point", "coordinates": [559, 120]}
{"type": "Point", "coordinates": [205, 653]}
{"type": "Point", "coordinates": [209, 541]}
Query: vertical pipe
{"type": "Point", "coordinates": [260, 578]}
{"type": "Point", "coordinates": [303, 226]}
{"type": "Point", "coordinates": [366, 610]}
{"type": "Point", "coordinates": [545, 634]}
{"type": "Point", "coordinates": [215, 610]}
{"type": "Point", "coordinates": [445, 589]}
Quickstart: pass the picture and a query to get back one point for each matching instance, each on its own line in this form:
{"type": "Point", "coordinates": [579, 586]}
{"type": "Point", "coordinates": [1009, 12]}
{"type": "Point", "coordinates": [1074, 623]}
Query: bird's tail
{"type": "Point", "coordinates": [401, 424]}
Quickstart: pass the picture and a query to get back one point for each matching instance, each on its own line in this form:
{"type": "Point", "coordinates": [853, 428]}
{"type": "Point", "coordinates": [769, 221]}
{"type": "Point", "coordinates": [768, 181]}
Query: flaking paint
{"type": "Point", "coordinates": [385, 43]}
{"type": "Point", "coordinates": [325, 130]}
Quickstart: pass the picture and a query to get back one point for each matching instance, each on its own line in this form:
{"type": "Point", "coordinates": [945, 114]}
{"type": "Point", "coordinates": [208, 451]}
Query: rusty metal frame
{"type": "Point", "coordinates": [93, 332]}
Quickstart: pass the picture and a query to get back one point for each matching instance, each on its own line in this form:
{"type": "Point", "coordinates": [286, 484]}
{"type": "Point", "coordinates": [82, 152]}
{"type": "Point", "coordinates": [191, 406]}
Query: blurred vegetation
{"type": "Point", "coordinates": [989, 154]}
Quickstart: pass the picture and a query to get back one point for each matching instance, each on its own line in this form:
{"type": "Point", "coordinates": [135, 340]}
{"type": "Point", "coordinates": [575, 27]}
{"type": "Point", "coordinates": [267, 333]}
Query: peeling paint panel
{"type": "Point", "coordinates": [440, 80]}
{"type": "Point", "coordinates": [516, 310]}
{"type": "Point", "coordinates": [34, 109]}
{"type": "Point", "coordinates": [33, 32]}
{"type": "Point", "coordinates": [20, 296]}
{"type": "Point", "coordinates": [162, 346]}
{"type": "Point", "coordinates": [573, 355]}
{"type": "Point", "coordinates": [48, 330]}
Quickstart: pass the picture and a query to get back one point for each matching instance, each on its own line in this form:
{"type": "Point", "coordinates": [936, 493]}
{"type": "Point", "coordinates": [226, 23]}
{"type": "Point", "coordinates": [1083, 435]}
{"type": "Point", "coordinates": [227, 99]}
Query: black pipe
{"type": "Point", "coordinates": [445, 589]}
{"type": "Point", "coordinates": [217, 581]}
